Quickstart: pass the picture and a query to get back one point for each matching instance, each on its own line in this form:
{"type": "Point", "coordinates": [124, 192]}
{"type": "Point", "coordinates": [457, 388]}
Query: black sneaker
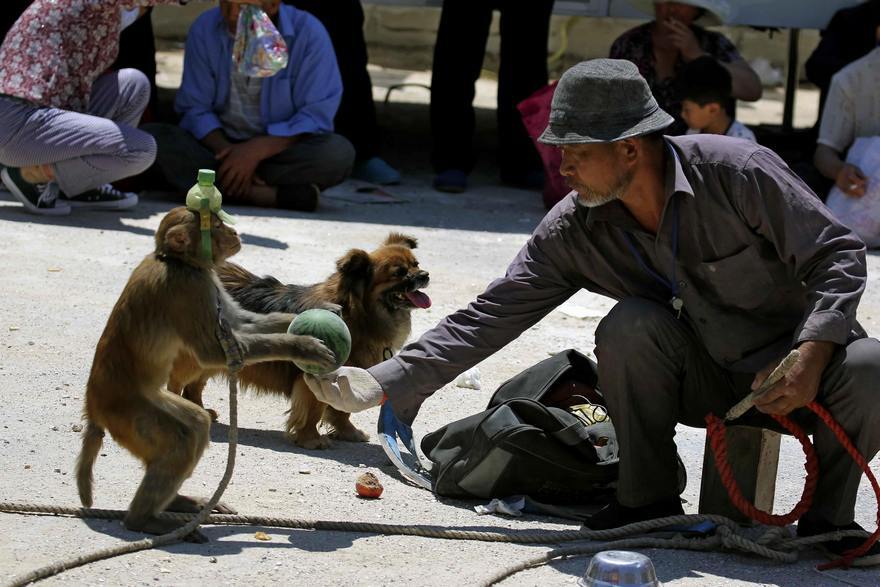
{"type": "Point", "coordinates": [37, 198]}
{"type": "Point", "coordinates": [302, 198]}
{"type": "Point", "coordinates": [105, 197]}
{"type": "Point", "coordinates": [835, 549]}
{"type": "Point", "coordinates": [615, 515]}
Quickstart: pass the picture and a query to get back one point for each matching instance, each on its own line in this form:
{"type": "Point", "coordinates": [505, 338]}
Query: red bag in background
{"type": "Point", "coordinates": [535, 112]}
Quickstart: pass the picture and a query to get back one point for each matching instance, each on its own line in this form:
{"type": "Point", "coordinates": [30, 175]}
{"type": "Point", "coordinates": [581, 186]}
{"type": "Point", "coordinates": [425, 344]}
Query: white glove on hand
{"type": "Point", "coordinates": [348, 389]}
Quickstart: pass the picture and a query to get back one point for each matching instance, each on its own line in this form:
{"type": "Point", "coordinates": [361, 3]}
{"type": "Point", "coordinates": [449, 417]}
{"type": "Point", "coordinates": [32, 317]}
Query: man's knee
{"type": "Point", "coordinates": [333, 160]}
{"type": "Point", "coordinates": [631, 324]}
{"type": "Point", "coordinates": [861, 378]}
{"type": "Point", "coordinates": [141, 151]}
{"type": "Point", "coordinates": [135, 86]}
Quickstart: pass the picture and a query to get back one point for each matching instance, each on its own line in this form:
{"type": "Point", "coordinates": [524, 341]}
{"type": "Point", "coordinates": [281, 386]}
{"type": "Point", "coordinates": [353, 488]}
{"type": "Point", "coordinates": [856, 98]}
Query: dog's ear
{"type": "Point", "coordinates": [395, 238]}
{"type": "Point", "coordinates": [355, 272]}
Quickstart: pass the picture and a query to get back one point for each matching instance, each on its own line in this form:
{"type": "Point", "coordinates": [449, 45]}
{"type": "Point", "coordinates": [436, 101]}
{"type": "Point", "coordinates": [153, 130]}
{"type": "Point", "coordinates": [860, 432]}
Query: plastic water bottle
{"type": "Point", "coordinates": [204, 188]}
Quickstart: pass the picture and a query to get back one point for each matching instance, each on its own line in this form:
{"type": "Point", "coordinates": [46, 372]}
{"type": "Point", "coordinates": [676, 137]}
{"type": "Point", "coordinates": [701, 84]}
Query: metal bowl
{"type": "Point", "coordinates": [619, 568]}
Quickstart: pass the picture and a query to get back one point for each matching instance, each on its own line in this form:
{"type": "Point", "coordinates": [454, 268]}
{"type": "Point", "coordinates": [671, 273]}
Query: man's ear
{"type": "Point", "coordinates": [177, 239]}
{"type": "Point", "coordinates": [713, 108]}
{"type": "Point", "coordinates": [628, 148]}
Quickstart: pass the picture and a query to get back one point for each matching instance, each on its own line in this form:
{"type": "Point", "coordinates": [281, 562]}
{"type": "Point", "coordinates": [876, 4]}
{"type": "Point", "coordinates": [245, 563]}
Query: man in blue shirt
{"type": "Point", "coordinates": [270, 139]}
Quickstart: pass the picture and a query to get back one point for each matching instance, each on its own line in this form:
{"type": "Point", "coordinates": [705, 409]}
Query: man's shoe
{"type": "Point", "coordinates": [37, 198]}
{"type": "Point", "coordinates": [105, 197]}
{"type": "Point", "coordinates": [375, 170]}
{"type": "Point", "coordinates": [615, 515]}
{"type": "Point", "coordinates": [453, 181]}
{"type": "Point", "coordinates": [302, 197]}
{"type": "Point", "coordinates": [835, 549]}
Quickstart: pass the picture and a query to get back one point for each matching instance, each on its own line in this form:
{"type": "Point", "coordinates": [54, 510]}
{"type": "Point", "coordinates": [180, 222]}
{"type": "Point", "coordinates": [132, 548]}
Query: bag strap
{"type": "Point", "coordinates": [573, 434]}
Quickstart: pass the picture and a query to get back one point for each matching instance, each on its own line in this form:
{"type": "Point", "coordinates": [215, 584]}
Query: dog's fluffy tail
{"type": "Point", "coordinates": [262, 294]}
{"type": "Point", "coordinates": [92, 439]}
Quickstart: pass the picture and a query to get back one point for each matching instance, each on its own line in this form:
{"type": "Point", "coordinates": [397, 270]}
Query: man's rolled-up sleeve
{"type": "Point", "coordinates": [826, 256]}
{"type": "Point", "coordinates": [532, 287]}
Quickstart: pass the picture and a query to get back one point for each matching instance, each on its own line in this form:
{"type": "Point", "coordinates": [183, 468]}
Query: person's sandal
{"type": "Point", "coordinates": [37, 198]}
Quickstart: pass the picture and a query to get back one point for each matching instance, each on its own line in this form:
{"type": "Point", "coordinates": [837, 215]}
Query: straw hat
{"type": "Point", "coordinates": [716, 11]}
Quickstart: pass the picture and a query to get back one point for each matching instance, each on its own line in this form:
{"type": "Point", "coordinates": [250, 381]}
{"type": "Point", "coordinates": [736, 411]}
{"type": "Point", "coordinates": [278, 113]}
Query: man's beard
{"type": "Point", "coordinates": [592, 198]}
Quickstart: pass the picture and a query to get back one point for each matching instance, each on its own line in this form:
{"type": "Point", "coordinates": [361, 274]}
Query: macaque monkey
{"type": "Point", "coordinates": [170, 304]}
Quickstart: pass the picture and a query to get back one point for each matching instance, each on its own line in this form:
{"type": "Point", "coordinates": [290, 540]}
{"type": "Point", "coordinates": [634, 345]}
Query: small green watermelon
{"type": "Point", "coordinates": [329, 329]}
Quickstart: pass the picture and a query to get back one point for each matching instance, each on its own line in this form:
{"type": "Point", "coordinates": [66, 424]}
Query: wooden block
{"type": "Point", "coordinates": [753, 454]}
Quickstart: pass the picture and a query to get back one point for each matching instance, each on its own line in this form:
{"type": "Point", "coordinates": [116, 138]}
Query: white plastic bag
{"type": "Point", "coordinates": [862, 215]}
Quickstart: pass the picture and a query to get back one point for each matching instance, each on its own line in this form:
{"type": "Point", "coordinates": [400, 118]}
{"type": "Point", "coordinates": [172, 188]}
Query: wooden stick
{"type": "Point", "coordinates": [775, 377]}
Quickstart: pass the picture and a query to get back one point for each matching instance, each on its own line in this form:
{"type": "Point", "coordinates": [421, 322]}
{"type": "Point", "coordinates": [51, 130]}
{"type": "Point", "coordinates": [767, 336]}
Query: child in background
{"type": "Point", "coordinates": [705, 89]}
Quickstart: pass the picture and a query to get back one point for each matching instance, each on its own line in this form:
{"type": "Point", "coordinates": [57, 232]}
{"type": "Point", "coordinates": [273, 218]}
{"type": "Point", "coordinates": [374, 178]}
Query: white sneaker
{"type": "Point", "coordinates": [105, 197]}
{"type": "Point", "coordinates": [37, 198]}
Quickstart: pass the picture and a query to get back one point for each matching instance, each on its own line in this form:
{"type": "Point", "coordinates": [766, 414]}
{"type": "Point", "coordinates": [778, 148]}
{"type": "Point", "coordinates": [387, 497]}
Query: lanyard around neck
{"type": "Point", "coordinates": [671, 284]}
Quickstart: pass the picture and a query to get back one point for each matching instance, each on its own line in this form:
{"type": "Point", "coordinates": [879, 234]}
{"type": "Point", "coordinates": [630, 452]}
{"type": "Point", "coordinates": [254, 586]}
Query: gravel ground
{"type": "Point", "coordinates": [61, 277]}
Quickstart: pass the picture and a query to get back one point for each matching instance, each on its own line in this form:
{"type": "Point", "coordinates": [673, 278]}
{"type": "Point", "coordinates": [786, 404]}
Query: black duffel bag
{"type": "Point", "coordinates": [529, 440]}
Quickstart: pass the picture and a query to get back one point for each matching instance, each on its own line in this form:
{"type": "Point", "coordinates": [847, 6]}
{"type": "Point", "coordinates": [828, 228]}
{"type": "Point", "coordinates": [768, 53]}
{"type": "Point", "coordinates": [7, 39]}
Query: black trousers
{"type": "Point", "coordinates": [458, 58]}
{"type": "Point", "coordinates": [654, 372]}
{"type": "Point", "coordinates": [356, 117]}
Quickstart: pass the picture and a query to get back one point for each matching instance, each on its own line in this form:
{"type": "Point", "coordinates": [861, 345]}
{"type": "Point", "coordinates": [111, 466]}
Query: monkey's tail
{"type": "Point", "coordinates": [93, 438]}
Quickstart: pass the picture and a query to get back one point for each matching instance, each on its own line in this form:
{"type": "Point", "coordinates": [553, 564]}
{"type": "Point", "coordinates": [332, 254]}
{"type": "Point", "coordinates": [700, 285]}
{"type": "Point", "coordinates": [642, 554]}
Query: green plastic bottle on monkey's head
{"type": "Point", "coordinates": [204, 198]}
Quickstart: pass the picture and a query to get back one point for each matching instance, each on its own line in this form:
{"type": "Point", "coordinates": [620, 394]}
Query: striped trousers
{"type": "Point", "coordinates": [86, 150]}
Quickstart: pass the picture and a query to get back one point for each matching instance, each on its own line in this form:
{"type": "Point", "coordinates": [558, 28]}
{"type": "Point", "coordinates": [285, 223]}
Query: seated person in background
{"type": "Point", "coordinates": [270, 139]}
{"type": "Point", "coordinates": [849, 36]}
{"type": "Point", "coordinates": [662, 47]}
{"type": "Point", "coordinates": [705, 100]}
{"type": "Point", "coordinates": [67, 124]}
{"type": "Point", "coordinates": [356, 117]}
{"type": "Point", "coordinates": [852, 110]}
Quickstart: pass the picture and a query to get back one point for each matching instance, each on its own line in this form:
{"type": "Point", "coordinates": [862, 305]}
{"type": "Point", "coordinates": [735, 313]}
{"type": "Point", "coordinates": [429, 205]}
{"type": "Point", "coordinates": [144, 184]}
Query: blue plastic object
{"type": "Point", "coordinates": [391, 429]}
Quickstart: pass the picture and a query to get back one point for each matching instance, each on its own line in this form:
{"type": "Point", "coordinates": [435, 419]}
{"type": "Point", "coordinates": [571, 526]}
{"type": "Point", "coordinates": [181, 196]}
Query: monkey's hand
{"type": "Point", "coordinates": [311, 350]}
{"type": "Point", "coordinates": [348, 389]}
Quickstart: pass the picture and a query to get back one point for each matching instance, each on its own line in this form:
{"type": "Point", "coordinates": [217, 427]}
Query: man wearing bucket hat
{"type": "Point", "coordinates": [662, 47]}
{"type": "Point", "coordinates": [721, 260]}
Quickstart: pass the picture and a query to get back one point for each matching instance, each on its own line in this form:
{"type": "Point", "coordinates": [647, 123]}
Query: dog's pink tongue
{"type": "Point", "coordinates": [419, 299]}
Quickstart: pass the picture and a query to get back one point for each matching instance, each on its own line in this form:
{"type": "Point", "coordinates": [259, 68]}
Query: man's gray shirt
{"type": "Point", "coordinates": [762, 265]}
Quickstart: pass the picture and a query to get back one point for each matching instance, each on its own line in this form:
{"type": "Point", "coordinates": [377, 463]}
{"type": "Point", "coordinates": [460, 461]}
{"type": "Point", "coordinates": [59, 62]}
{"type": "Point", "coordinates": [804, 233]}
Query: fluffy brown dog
{"type": "Point", "coordinates": [376, 293]}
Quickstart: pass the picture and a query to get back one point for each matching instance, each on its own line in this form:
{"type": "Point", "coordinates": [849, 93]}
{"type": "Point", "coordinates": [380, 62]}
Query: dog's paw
{"type": "Point", "coordinates": [311, 441]}
{"type": "Point", "coordinates": [349, 434]}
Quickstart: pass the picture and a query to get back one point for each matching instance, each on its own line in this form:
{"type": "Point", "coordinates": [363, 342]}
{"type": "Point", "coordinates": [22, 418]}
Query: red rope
{"type": "Point", "coordinates": [718, 442]}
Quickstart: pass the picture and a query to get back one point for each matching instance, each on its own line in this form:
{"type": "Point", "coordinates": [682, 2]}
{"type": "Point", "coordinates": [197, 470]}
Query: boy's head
{"type": "Point", "coordinates": [705, 88]}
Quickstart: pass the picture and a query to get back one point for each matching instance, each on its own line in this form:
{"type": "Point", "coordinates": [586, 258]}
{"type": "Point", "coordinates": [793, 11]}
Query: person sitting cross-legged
{"type": "Point", "coordinates": [270, 139]}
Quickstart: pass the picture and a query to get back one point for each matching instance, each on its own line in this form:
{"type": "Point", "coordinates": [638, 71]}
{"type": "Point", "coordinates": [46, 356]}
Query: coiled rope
{"type": "Point", "coordinates": [718, 442]}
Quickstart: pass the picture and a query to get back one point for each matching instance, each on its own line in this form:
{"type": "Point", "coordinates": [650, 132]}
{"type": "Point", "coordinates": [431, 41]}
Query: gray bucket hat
{"type": "Point", "coordinates": [600, 101]}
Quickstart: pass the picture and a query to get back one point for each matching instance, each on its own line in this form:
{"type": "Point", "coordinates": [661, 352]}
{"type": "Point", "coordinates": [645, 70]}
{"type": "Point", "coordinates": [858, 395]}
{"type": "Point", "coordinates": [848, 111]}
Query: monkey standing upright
{"type": "Point", "coordinates": [170, 304]}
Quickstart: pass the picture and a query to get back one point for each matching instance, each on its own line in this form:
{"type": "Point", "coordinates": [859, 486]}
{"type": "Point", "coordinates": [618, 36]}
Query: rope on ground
{"type": "Point", "coordinates": [775, 544]}
{"type": "Point", "coordinates": [154, 541]}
